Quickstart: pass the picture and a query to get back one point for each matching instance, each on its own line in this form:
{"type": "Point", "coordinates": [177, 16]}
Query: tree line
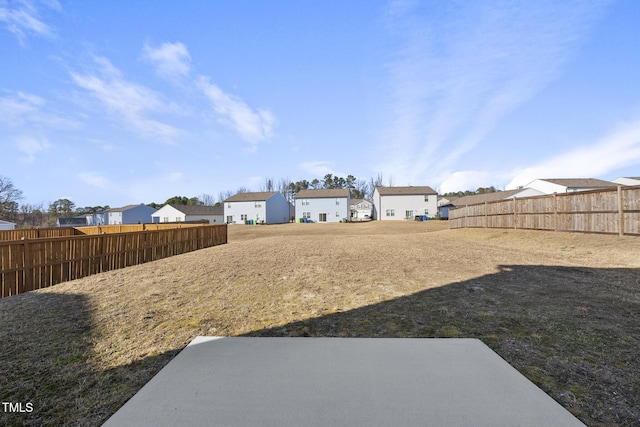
{"type": "Point", "coordinates": [27, 215]}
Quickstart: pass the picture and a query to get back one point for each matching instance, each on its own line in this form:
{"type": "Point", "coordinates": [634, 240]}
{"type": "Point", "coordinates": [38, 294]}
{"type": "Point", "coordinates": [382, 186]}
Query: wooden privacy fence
{"type": "Point", "coordinates": [36, 233]}
{"type": "Point", "coordinates": [30, 264]}
{"type": "Point", "coordinates": [608, 211]}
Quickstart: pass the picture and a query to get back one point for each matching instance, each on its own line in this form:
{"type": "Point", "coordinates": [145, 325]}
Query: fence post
{"type": "Point", "coordinates": [620, 211]}
{"type": "Point", "coordinates": [486, 217]}
{"type": "Point", "coordinates": [515, 214]}
{"type": "Point", "coordinates": [555, 211]}
{"type": "Point", "coordinates": [27, 274]}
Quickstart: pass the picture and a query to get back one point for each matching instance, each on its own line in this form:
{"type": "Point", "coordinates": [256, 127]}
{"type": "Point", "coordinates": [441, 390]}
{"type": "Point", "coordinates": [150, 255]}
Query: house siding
{"type": "Point", "coordinates": [274, 210]}
{"type": "Point", "coordinates": [394, 207]}
{"type": "Point", "coordinates": [336, 209]}
{"type": "Point", "coordinates": [168, 213]}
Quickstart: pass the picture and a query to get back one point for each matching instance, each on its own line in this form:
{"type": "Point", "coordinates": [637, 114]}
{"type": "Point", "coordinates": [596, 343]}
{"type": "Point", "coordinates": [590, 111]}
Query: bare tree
{"type": "Point", "coordinates": [207, 199]}
{"type": "Point", "coordinates": [9, 197]}
{"type": "Point", "coordinates": [224, 195]}
{"type": "Point", "coordinates": [268, 185]}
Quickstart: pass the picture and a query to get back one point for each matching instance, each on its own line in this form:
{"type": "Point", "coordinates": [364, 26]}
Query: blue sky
{"type": "Point", "coordinates": [114, 102]}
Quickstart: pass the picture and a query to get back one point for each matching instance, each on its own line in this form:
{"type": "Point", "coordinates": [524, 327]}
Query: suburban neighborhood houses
{"type": "Point", "coordinates": [327, 205]}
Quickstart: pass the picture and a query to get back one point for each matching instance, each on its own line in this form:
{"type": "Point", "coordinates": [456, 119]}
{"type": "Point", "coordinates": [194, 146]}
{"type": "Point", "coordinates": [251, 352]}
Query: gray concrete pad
{"type": "Point", "coordinates": [242, 381]}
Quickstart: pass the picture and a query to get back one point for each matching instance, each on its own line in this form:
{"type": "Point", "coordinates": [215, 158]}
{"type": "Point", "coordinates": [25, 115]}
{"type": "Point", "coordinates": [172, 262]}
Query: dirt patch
{"type": "Point", "coordinates": [561, 308]}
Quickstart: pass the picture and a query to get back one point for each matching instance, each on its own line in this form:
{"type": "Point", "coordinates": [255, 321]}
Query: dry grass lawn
{"type": "Point", "coordinates": [564, 309]}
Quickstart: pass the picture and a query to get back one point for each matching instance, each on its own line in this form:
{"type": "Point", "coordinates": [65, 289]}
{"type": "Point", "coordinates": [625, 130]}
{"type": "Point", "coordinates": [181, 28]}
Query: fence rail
{"type": "Point", "coordinates": [31, 264]}
{"type": "Point", "coordinates": [599, 211]}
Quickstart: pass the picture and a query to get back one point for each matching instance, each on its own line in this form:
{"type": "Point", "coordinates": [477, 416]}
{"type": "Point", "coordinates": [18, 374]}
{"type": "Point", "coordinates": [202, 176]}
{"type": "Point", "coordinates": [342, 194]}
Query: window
{"type": "Point", "coordinates": [243, 217]}
{"type": "Point", "coordinates": [229, 219]}
{"type": "Point", "coordinates": [306, 215]}
{"type": "Point", "coordinates": [426, 211]}
{"type": "Point", "coordinates": [337, 201]}
{"type": "Point", "coordinates": [305, 202]}
{"type": "Point", "coordinates": [391, 212]}
{"type": "Point", "coordinates": [257, 205]}
{"type": "Point", "coordinates": [426, 198]}
{"type": "Point", "coordinates": [337, 214]}
{"type": "Point", "coordinates": [322, 217]}
{"type": "Point", "coordinates": [165, 219]}
{"type": "Point", "coordinates": [229, 205]}
{"type": "Point", "coordinates": [408, 214]}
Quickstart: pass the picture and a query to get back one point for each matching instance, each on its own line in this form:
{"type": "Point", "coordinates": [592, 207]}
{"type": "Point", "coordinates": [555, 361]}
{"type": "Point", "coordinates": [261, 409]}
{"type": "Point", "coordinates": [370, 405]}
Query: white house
{"type": "Point", "coordinates": [399, 203]}
{"type": "Point", "coordinates": [628, 180]}
{"type": "Point", "coordinates": [361, 210]}
{"type": "Point", "coordinates": [130, 214]}
{"type": "Point", "coordinates": [6, 225]}
{"type": "Point", "coordinates": [267, 207]}
{"type": "Point", "coordinates": [182, 213]}
{"type": "Point", "coordinates": [568, 185]}
{"type": "Point", "coordinates": [328, 205]}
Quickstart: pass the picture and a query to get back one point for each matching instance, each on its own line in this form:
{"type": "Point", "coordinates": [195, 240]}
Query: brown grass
{"type": "Point", "coordinates": [564, 309]}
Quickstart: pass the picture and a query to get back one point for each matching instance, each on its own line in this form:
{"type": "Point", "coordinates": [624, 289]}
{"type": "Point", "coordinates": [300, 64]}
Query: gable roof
{"type": "Point", "coordinates": [199, 209]}
{"type": "Point", "coordinates": [126, 208]}
{"type": "Point", "coordinates": [251, 197]}
{"type": "Point", "coordinates": [356, 201]}
{"type": "Point", "coordinates": [405, 191]}
{"type": "Point", "coordinates": [581, 182]}
{"type": "Point", "coordinates": [324, 193]}
{"type": "Point", "coordinates": [486, 197]}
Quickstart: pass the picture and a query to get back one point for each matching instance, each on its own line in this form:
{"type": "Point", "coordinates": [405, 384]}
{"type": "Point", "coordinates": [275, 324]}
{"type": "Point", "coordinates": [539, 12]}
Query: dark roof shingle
{"type": "Point", "coordinates": [409, 191]}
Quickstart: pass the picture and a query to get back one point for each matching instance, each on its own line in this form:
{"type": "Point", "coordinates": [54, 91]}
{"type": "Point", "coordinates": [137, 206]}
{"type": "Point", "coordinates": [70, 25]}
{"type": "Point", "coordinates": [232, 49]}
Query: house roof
{"type": "Point", "coordinates": [199, 209]}
{"type": "Point", "coordinates": [486, 197]}
{"type": "Point", "coordinates": [356, 201]}
{"type": "Point", "coordinates": [581, 182]}
{"type": "Point", "coordinates": [251, 197]}
{"type": "Point", "coordinates": [321, 194]}
{"type": "Point", "coordinates": [6, 222]}
{"type": "Point", "coordinates": [408, 191]}
{"type": "Point", "coordinates": [126, 208]}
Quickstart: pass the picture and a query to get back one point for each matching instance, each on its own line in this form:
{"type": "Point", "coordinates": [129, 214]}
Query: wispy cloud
{"type": "Point", "coordinates": [131, 102]}
{"type": "Point", "coordinates": [19, 109]}
{"type": "Point", "coordinates": [619, 149]}
{"type": "Point", "coordinates": [23, 18]}
{"type": "Point", "coordinates": [94, 179]}
{"type": "Point", "coordinates": [172, 60]}
{"type": "Point", "coordinates": [253, 126]}
{"type": "Point", "coordinates": [318, 168]}
{"type": "Point", "coordinates": [462, 67]}
{"type": "Point", "coordinates": [32, 146]}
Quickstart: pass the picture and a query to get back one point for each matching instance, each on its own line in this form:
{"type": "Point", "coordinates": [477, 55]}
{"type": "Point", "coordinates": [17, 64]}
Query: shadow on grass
{"type": "Point", "coordinates": [575, 332]}
{"type": "Point", "coordinates": [46, 375]}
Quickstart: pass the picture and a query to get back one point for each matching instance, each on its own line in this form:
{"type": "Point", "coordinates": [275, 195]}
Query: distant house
{"type": "Point", "coordinates": [266, 207]}
{"type": "Point", "coordinates": [182, 213]}
{"type": "Point", "coordinates": [361, 209]}
{"type": "Point", "coordinates": [444, 204]}
{"type": "Point", "coordinates": [80, 221]}
{"type": "Point", "coordinates": [628, 180]}
{"type": "Point", "coordinates": [475, 199]}
{"type": "Point", "coordinates": [6, 225]}
{"type": "Point", "coordinates": [399, 203]}
{"type": "Point", "coordinates": [568, 185]}
{"type": "Point", "coordinates": [131, 214]}
{"type": "Point", "coordinates": [327, 205]}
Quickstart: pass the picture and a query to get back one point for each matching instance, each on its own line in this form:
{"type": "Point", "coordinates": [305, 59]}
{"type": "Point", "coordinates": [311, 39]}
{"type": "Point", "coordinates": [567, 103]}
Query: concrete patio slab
{"type": "Point", "coordinates": [242, 381]}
